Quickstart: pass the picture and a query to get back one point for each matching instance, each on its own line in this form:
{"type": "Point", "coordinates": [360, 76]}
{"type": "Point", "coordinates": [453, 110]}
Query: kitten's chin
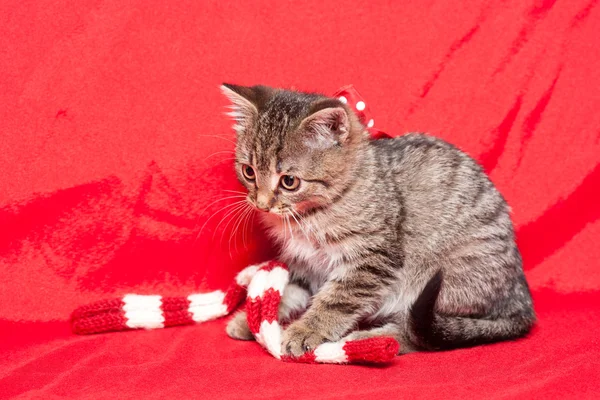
{"type": "Point", "coordinates": [271, 218]}
{"type": "Point", "coordinates": [273, 223]}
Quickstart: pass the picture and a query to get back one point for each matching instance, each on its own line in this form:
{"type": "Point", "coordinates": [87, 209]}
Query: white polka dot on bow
{"type": "Point", "coordinates": [370, 124]}
{"type": "Point", "coordinates": [360, 105]}
{"type": "Point", "coordinates": [343, 99]}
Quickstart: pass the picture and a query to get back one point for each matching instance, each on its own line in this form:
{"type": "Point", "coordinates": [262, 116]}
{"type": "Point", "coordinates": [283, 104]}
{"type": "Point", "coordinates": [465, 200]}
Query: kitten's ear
{"type": "Point", "coordinates": [327, 125]}
{"type": "Point", "coordinates": [245, 103]}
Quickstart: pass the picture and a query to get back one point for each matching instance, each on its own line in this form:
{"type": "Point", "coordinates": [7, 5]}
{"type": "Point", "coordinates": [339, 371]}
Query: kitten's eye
{"type": "Point", "coordinates": [289, 182]}
{"type": "Point", "coordinates": [248, 172]}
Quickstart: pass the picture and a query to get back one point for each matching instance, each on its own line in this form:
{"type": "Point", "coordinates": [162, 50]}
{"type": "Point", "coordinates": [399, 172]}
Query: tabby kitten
{"type": "Point", "coordinates": [404, 237]}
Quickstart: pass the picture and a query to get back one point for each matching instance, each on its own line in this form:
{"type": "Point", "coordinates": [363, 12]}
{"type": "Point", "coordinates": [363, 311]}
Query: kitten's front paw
{"type": "Point", "coordinates": [298, 339]}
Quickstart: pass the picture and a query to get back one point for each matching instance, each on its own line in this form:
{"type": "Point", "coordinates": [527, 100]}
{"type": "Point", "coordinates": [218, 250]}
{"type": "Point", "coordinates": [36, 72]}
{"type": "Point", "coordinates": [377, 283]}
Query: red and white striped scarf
{"type": "Point", "coordinates": [260, 285]}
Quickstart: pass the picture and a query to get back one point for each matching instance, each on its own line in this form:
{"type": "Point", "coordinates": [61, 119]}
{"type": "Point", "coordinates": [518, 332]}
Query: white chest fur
{"type": "Point", "coordinates": [321, 259]}
{"type": "Point", "coordinates": [314, 260]}
{"type": "Point", "coordinates": [318, 262]}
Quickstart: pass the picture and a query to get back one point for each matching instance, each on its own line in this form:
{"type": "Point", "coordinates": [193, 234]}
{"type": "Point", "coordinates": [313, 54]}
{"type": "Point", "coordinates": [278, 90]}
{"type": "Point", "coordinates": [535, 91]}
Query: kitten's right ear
{"type": "Point", "coordinates": [327, 125]}
{"type": "Point", "coordinates": [245, 103]}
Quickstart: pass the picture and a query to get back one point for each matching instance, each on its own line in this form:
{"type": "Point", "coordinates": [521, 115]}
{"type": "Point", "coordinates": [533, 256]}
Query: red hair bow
{"type": "Point", "coordinates": [350, 96]}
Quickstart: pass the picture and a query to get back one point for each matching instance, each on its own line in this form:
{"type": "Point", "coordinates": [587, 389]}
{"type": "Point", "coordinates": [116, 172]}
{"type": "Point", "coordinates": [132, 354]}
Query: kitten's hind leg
{"type": "Point", "coordinates": [237, 327]}
{"type": "Point", "coordinates": [390, 329]}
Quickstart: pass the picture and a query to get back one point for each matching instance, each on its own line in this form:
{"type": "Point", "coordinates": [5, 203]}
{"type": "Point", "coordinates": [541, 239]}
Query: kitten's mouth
{"type": "Point", "coordinates": [262, 210]}
{"type": "Point", "coordinates": [281, 213]}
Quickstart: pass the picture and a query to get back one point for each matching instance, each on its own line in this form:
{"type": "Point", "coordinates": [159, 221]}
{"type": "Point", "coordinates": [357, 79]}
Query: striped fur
{"type": "Point", "coordinates": [405, 236]}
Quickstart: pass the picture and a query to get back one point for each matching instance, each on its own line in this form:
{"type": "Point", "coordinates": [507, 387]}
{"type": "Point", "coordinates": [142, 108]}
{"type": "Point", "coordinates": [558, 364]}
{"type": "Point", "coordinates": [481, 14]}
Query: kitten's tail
{"type": "Point", "coordinates": [431, 331]}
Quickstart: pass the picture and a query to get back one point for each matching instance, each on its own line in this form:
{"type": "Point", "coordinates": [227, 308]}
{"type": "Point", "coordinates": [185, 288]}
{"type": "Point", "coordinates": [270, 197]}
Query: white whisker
{"type": "Point", "coordinates": [219, 152]}
{"type": "Point", "coordinates": [223, 160]}
{"type": "Point", "coordinates": [221, 199]}
{"type": "Point", "coordinates": [237, 226]}
{"type": "Point", "coordinates": [289, 224]}
{"type": "Point", "coordinates": [218, 137]}
{"type": "Point", "coordinates": [236, 215]}
{"type": "Point", "coordinates": [234, 191]}
{"type": "Point", "coordinates": [215, 213]}
{"type": "Point", "coordinates": [292, 213]}
{"type": "Point", "coordinates": [248, 219]}
{"type": "Point", "coordinates": [284, 230]}
{"type": "Point", "coordinates": [235, 209]}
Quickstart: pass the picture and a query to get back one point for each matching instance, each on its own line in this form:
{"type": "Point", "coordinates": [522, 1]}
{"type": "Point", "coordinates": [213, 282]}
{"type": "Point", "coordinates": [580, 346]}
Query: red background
{"type": "Point", "coordinates": [109, 159]}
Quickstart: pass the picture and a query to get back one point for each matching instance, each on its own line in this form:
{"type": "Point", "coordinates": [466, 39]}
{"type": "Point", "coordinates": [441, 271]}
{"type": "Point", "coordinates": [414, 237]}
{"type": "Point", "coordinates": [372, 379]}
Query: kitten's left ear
{"type": "Point", "coordinates": [327, 125]}
{"type": "Point", "coordinates": [246, 103]}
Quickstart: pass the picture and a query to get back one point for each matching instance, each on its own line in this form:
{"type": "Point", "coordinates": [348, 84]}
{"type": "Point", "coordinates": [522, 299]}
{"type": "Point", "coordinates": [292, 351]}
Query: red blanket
{"type": "Point", "coordinates": [114, 145]}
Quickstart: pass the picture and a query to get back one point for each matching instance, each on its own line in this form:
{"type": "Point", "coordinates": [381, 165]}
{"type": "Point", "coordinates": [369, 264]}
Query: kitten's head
{"type": "Point", "coordinates": [295, 151]}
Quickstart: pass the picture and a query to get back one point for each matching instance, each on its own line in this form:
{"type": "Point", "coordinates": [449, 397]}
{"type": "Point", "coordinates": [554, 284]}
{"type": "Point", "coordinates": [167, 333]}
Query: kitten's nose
{"type": "Point", "coordinates": [264, 202]}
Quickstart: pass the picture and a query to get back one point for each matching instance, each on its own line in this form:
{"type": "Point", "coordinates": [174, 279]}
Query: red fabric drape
{"type": "Point", "coordinates": [113, 145]}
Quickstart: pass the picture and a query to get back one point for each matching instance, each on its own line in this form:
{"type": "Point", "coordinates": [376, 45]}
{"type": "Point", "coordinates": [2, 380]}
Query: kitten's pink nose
{"type": "Point", "coordinates": [264, 202]}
